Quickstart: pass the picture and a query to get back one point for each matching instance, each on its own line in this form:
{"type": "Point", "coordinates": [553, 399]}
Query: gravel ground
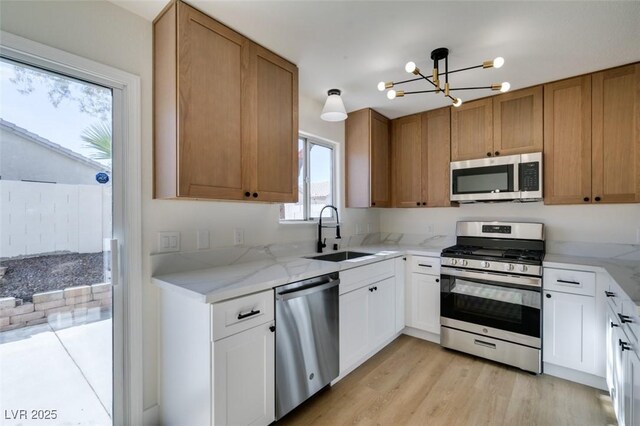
{"type": "Point", "coordinates": [27, 276]}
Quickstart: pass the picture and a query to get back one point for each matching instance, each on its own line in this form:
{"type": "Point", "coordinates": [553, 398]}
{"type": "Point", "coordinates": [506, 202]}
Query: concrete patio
{"type": "Point", "coordinates": [60, 365]}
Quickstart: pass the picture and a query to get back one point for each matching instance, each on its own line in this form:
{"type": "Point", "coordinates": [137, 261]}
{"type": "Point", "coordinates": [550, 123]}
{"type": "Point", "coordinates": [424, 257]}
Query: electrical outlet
{"type": "Point", "coordinates": [203, 240]}
{"type": "Point", "coordinates": [238, 236]}
{"type": "Point", "coordinates": [168, 242]}
{"type": "Point", "coordinates": [358, 229]}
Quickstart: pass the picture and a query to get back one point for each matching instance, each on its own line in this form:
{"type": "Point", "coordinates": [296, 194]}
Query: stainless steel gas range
{"type": "Point", "coordinates": [491, 292]}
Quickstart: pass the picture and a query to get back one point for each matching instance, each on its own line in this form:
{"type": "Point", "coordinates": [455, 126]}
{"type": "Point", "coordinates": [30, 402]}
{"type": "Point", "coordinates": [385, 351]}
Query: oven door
{"type": "Point", "coordinates": [503, 306]}
{"type": "Point", "coordinates": [485, 179]}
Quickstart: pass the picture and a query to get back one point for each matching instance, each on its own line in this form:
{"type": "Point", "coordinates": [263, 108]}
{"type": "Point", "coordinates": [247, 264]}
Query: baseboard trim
{"type": "Point", "coordinates": [575, 376]}
{"type": "Point", "coordinates": [151, 416]}
{"type": "Point", "coordinates": [421, 334]}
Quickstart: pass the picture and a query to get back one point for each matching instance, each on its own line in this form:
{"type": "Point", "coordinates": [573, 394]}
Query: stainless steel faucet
{"type": "Point", "coordinates": [322, 243]}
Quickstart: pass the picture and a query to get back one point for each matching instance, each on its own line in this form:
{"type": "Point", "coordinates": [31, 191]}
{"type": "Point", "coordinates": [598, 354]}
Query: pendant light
{"type": "Point", "coordinates": [334, 107]}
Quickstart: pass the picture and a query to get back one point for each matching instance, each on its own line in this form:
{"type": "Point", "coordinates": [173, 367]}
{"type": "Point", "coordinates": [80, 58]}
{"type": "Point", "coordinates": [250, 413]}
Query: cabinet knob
{"type": "Point", "coordinates": [597, 198]}
{"type": "Point", "coordinates": [497, 153]}
{"type": "Point", "coordinates": [373, 203]}
{"type": "Point", "coordinates": [272, 328]}
{"type": "Point", "coordinates": [255, 195]}
{"type": "Point", "coordinates": [488, 154]}
{"type": "Point", "coordinates": [437, 280]}
{"type": "Point", "coordinates": [548, 296]}
{"type": "Point", "coordinates": [247, 194]}
{"type": "Point", "coordinates": [424, 204]}
{"type": "Point", "coordinates": [418, 203]}
{"type": "Point", "coordinates": [586, 199]}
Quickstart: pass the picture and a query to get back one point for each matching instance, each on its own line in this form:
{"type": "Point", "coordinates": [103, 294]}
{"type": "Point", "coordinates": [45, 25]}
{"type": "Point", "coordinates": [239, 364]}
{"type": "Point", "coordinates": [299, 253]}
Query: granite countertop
{"type": "Point", "coordinates": [624, 272]}
{"type": "Point", "coordinates": [218, 283]}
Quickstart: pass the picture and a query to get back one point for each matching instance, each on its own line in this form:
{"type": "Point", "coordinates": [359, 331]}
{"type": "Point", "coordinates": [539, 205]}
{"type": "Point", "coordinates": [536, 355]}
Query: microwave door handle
{"type": "Point", "coordinates": [516, 178]}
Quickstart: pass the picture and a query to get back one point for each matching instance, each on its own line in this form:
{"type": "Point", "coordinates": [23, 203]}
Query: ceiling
{"type": "Point", "coordinates": [352, 45]}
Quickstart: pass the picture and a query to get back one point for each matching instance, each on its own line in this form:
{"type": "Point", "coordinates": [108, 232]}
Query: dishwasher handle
{"type": "Point", "coordinates": [308, 289]}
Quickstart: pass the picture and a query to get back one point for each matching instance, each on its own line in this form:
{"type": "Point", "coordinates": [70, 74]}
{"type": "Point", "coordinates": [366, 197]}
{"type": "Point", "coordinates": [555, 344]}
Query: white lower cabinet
{"type": "Point", "coordinates": [631, 388]}
{"type": "Point", "coordinates": [569, 325]}
{"type": "Point", "coordinates": [425, 302]}
{"type": "Point", "coordinates": [243, 377]}
{"type": "Point", "coordinates": [382, 312]}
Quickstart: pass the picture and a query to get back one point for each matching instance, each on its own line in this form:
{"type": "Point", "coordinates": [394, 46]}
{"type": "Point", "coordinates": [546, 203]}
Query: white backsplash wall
{"type": "Point", "coordinates": [619, 223]}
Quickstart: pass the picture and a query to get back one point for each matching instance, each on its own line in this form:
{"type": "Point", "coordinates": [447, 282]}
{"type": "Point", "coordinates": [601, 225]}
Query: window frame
{"type": "Point", "coordinates": [310, 140]}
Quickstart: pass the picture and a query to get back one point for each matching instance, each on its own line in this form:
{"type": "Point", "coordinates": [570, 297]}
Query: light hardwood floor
{"type": "Point", "coordinates": [414, 382]}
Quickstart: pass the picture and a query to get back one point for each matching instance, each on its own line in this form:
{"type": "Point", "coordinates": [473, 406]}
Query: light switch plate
{"type": "Point", "coordinates": [203, 239]}
{"type": "Point", "coordinates": [168, 242]}
{"type": "Point", "coordinates": [359, 229]}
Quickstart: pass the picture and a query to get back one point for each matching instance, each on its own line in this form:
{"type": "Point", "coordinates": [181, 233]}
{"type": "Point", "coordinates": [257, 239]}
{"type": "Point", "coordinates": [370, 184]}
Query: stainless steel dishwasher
{"type": "Point", "coordinates": [307, 340]}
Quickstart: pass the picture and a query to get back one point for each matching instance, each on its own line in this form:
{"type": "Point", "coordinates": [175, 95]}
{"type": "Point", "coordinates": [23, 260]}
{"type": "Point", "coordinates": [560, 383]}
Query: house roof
{"type": "Point", "coordinates": [10, 127]}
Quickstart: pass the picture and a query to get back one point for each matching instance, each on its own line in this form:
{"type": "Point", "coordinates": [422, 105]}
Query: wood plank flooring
{"type": "Point", "coordinates": [414, 382]}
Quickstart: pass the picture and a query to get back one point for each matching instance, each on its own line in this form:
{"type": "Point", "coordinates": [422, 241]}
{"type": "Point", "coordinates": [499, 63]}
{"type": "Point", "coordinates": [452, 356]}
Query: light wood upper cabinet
{"type": "Point", "coordinates": [517, 122]}
{"type": "Point", "coordinates": [368, 163]}
{"type": "Point", "coordinates": [421, 147]}
{"type": "Point", "coordinates": [436, 148]}
{"type": "Point", "coordinates": [567, 141]}
{"type": "Point", "coordinates": [225, 113]}
{"type": "Point", "coordinates": [472, 130]}
{"type": "Point", "coordinates": [406, 144]}
{"type": "Point", "coordinates": [616, 135]}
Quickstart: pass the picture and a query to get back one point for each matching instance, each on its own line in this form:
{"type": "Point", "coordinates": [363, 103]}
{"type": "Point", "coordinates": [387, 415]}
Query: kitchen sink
{"type": "Point", "coordinates": [339, 256]}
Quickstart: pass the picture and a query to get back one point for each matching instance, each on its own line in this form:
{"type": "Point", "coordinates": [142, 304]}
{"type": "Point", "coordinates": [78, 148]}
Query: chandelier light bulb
{"type": "Point", "coordinates": [498, 62]}
{"type": "Point", "coordinates": [410, 67]}
{"type": "Point", "coordinates": [504, 87]}
{"type": "Point", "coordinates": [457, 102]}
{"type": "Point", "coordinates": [381, 86]}
{"type": "Point", "coordinates": [391, 94]}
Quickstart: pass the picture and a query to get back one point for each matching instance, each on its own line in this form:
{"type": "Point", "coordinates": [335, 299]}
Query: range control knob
{"type": "Point", "coordinates": [508, 267]}
{"type": "Point", "coordinates": [454, 261]}
{"type": "Point", "coordinates": [464, 262]}
{"type": "Point", "coordinates": [523, 268]}
{"type": "Point", "coordinates": [484, 264]}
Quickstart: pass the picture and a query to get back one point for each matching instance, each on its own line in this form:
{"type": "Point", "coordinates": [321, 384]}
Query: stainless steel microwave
{"type": "Point", "coordinates": [508, 178]}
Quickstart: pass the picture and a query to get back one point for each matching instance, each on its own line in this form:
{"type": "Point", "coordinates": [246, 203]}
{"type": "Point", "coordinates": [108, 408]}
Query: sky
{"type": "Point", "coordinates": [35, 112]}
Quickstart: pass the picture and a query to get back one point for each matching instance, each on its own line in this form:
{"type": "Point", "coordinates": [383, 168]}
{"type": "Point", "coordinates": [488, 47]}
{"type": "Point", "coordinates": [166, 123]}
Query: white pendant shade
{"type": "Point", "coordinates": [334, 107]}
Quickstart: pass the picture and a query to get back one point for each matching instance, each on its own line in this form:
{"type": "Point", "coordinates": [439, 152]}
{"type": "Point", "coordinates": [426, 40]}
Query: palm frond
{"type": "Point", "coordinates": [98, 137]}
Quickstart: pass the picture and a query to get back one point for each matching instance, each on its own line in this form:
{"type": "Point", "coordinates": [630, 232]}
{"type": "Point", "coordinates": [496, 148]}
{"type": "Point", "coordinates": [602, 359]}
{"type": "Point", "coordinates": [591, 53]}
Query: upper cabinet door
{"type": "Point", "coordinates": [270, 126]}
{"type": "Point", "coordinates": [407, 161]}
{"type": "Point", "coordinates": [472, 130]}
{"type": "Point", "coordinates": [567, 141]}
{"type": "Point", "coordinates": [380, 161]}
{"type": "Point", "coordinates": [616, 135]}
{"type": "Point", "coordinates": [517, 122]}
{"type": "Point", "coordinates": [209, 106]}
{"type": "Point", "coordinates": [436, 149]}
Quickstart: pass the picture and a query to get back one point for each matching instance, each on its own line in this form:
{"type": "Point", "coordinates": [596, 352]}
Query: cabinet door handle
{"type": "Point", "coordinates": [247, 194]}
{"type": "Point", "coordinates": [613, 324]}
{"type": "Point", "coordinates": [624, 346]}
{"type": "Point", "coordinates": [417, 203]}
{"type": "Point", "coordinates": [569, 282]}
{"type": "Point", "coordinates": [272, 328]}
{"type": "Point", "coordinates": [586, 199]}
{"type": "Point", "coordinates": [497, 153]}
{"type": "Point", "coordinates": [609, 294]}
{"type": "Point", "coordinates": [437, 280]}
{"type": "Point", "coordinates": [624, 318]}
{"type": "Point", "coordinates": [488, 154]}
{"type": "Point", "coordinates": [371, 289]}
{"type": "Point", "coordinates": [485, 344]}
{"type": "Point", "coordinates": [424, 204]}
{"type": "Point", "coordinates": [373, 203]}
{"type": "Point", "coordinates": [548, 296]}
{"type": "Point", "coordinates": [255, 195]}
{"type": "Point", "coordinates": [597, 198]}
{"type": "Point", "coordinates": [248, 314]}
{"type": "Point", "coordinates": [425, 265]}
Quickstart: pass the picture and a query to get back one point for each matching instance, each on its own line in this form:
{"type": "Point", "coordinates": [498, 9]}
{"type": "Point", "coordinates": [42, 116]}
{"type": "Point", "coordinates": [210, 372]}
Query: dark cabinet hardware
{"type": "Point", "coordinates": [417, 203]}
{"type": "Point", "coordinates": [568, 282]}
{"type": "Point", "coordinates": [272, 328]}
{"type": "Point", "coordinates": [624, 318]}
{"type": "Point", "coordinates": [586, 199]}
{"type": "Point", "coordinates": [425, 265]}
{"type": "Point", "coordinates": [371, 289]}
{"type": "Point", "coordinates": [488, 154]}
{"type": "Point", "coordinates": [548, 296]}
{"type": "Point", "coordinates": [609, 294]}
{"type": "Point", "coordinates": [624, 346]}
{"type": "Point", "coordinates": [373, 203]}
{"type": "Point", "coordinates": [255, 195]}
{"type": "Point", "coordinates": [248, 314]}
{"type": "Point", "coordinates": [404, 258]}
{"type": "Point", "coordinates": [597, 198]}
{"type": "Point", "coordinates": [437, 280]}
{"type": "Point", "coordinates": [424, 204]}
{"type": "Point", "coordinates": [375, 288]}
{"type": "Point", "coordinates": [247, 194]}
{"type": "Point", "coordinates": [613, 324]}
{"type": "Point", "coordinates": [497, 153]}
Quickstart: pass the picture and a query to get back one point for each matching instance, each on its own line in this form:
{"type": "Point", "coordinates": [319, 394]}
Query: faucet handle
{"type": "Point", "coordinates": [324, 242]}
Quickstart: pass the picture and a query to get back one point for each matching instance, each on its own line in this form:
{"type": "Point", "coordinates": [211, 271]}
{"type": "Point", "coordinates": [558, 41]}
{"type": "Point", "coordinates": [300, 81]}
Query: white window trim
{"type": "Point", "coordinates": [318, 140]}
{"type": "Point", "coordinates": [128, 384]}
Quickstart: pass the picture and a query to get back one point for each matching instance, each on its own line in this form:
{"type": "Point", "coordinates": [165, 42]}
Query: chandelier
{"type": "Point", "coordinates": [437, 55]}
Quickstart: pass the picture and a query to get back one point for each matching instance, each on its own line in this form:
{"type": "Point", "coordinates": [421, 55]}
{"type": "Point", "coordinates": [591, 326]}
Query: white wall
{"type": "Point", "coordinates": [106, 33]}
{"type": "Point", "coordinates": [618, 223]}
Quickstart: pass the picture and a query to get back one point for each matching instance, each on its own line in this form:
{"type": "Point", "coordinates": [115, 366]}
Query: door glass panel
{"type": "Point", "coordinates": [320, 180]}
{"type": "Point", "coordinates": [55, 216]}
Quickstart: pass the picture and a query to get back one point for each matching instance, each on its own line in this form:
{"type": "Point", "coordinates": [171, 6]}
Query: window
{"type": "Point", "coordinates": [316, 181]}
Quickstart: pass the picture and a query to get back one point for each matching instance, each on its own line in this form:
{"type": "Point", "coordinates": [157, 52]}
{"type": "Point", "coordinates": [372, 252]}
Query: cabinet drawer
{"type": "Point", "coordinates": [425, 265]}
{"type": "Point", "coordinates": [352, 279]}
{"type": "Point", "coordinates": [236, 315]}
{"type": "Point", "coordinates": [568, 281]}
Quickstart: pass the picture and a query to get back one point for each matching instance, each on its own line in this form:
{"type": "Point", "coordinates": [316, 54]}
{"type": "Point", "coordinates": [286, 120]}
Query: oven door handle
{"type": "Point", "coordinates": [488, 276]}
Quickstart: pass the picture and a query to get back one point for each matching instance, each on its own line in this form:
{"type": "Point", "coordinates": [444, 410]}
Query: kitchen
{"type": "Point", "coordinates": [215, 233]}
